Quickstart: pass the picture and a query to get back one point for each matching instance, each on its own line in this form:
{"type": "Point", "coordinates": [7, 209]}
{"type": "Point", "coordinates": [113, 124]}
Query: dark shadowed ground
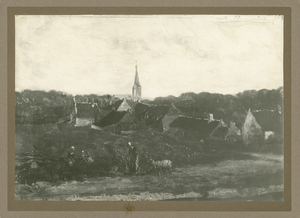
{"type": "Point", "coordinates": [225, 173]}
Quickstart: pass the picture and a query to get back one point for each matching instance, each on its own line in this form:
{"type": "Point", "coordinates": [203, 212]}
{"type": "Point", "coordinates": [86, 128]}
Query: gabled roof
{"type": "Point", "coordinates": [104, 112]}
{"type": "Point", "coordinates": [131, 103]}
{"type": "Point", "coordinates": [112, 118]}
{"type": "Point", "coordinates": [118, 103]}
{"type": "Point", "coordinates": [212, 125]}
{"type": "Point", "coordinates": [121, 105]}
{"type": "Point", "coordinates": [250, 122]}
{"type": "Point", "coordinates": [129, 117]}
{"type": "Point", "coordinates": [233, 130]}
{"type": "Point", "coordinates": [85, 110]}
{"type": "Point", "coordinates": [221, 129]}
{"type": "Point", "coordinates": [158, 111]}
{"type": "Point", "coordinates": [201, 125]}
{"type": "Point", "coordinates": [140, 109]}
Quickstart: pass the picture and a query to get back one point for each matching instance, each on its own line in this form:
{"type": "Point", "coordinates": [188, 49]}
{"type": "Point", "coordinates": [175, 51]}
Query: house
{"type": "Point", "coordinates": [117, 121]}
{"type": "Point", "coordinates": [233, 132]}
{"type": "Point", "coordinates": [252, 132]}
{"type": "Point", "coordinates": [192, 128]}
{"type": "Point", "coordinates": [140, 110]}
{"type": "Point", "coordinates": [172, 114]}
{"type": "Point", "coordinates": [86, 114]}
{"type": "Point", "coordinates": [128, 123]}
{"type": "Point", "coordinates": [121, 105]}
{"type": "Point", "coordinates": [271, 124]}
{"type": "Point", "coordinates": [161, 116]}
{"type": "Point", "coordinates": [220, 131]}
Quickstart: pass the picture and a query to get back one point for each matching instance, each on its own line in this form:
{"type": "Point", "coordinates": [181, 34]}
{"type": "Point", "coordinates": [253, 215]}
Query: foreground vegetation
{"type": "Point", "coordinates": [43, 166]}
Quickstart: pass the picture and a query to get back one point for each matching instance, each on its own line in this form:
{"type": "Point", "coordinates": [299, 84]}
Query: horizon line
{"type": "Point", "coordinates": [147, 98]}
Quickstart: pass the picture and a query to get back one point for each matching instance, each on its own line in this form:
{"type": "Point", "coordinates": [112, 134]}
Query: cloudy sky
{"type": "Point", "coordinates": [175, 53]}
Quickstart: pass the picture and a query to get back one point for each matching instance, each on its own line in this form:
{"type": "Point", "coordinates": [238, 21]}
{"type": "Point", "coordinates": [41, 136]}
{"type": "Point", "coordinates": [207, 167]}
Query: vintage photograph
{"type": "Point", "coordinates": [149, 108]}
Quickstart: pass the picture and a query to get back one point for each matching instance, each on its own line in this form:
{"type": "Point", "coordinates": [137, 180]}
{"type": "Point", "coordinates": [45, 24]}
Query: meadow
{"type": "Point", "coordinates": [225, 172]}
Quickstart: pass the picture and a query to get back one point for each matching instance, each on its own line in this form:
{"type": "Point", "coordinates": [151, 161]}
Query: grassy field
{"type": "Point", "coordinates": [223, 173]}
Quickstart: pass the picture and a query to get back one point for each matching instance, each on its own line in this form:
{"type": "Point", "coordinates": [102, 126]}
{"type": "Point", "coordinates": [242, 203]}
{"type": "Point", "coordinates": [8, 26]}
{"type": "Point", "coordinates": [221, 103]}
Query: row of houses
{"type": "Point", "coordinates": [125, 115]}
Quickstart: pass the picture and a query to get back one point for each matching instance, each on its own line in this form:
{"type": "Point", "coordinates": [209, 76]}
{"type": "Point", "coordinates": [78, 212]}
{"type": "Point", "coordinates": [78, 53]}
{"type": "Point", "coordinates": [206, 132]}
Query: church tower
{"type": "Point", "coordinates": [137, 88]}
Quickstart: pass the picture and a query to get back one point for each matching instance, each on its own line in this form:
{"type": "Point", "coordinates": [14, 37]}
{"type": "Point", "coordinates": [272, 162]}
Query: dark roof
{"type": "Point", "coordinates": [158, 111]}
{"type": "Point", "coordinates": [112, 118]}
{"type": "Point", "coordinates": [193, 124]}
{"type": "Point", "coordinates": [131, 103]}
{"type": "Point", "coordinates": [140, 109]}
{"type": "Point", "coordinates": [118, 103]}
{"type": "Point", "coordinates": [269, 120]}
{"type": "Point", "coordinates": [85, 110]}
{"type": "Point", "coordinates": [108, 107]}
{"type": "Point", "coordinates": [104, 112]}
{"type": "Point", "coordinates": [212, 125]}
{"type": "Point", "coordinates": [129, 117]}
{"type": "Point", "coordinates": [221, 131]}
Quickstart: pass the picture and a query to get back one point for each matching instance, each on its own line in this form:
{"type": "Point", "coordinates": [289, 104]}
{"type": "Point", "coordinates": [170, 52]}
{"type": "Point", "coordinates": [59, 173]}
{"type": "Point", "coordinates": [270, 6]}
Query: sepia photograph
{"type": "Point", "coordinates": [149, 108]}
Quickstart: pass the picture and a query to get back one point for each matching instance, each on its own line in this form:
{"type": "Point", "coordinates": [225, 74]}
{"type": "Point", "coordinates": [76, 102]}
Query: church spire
{"type": "Point", "coordinates": [136, 80]}
{"type": "Point", "coordinates": [137, 88]}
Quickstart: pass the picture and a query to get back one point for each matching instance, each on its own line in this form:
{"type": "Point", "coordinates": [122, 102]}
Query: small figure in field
{"type": "Point", "coordinates": [206, 143]}
{"type": "Point", "coordinates": [71, 156]}
{"type": "Point", "coordinates": [133, 159]}
{"type": "Point", "coordinates": [202, 144]}
{"type": "Point", "coordinates": [86, 157]}
{"type": "Point", "coordinates": [82, 157]}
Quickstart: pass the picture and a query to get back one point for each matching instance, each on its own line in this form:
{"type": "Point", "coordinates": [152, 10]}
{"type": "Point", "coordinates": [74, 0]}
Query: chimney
{"type": "Point", "coordinates": [93, 101]}
{"type": "Point", "coordinates": [210, 117]}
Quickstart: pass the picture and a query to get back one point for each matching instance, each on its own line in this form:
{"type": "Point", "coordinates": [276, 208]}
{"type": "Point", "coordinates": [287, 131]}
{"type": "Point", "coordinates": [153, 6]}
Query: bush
{"type": "Point", "coordinates": [39, 167]}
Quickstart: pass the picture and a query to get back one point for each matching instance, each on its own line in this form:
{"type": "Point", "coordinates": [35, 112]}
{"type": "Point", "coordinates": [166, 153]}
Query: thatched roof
{"type": "Point", "coordinates": [129, 117]}
{"type": "Point", "coordinates": [115, 117]}
{"type": "Point", "coordinates": [158, 111]}
{"type": "Point", "coordinates": [126, 104]}
{"type": "Point", "coordinates": [220, 130]}
{"type": "Point", "coordinates": [252, 131]}
{"type": "Point", "coordinates": [112, 118]}
{"type": "Point", "coordinates": [162, 110]}
{"type": "Point", "coordinates": [192, 124]}
{"type": "Point", "coordinates": [118, 103]}
{"type": "Point", "coordinates": [140, 109]}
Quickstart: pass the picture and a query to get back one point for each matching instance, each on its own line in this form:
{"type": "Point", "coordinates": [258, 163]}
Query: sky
{"type": "Point", "coordinates": [97, 54]}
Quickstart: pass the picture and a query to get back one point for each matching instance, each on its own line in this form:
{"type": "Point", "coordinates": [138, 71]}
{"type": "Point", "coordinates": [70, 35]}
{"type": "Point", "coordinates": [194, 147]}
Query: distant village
{"type": "Point", "coordinates": [125, 114]}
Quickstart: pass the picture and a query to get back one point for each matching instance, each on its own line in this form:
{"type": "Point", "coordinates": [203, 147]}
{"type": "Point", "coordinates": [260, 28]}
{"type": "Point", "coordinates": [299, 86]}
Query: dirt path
{"type": "Point", "coordinates": [227, 179]}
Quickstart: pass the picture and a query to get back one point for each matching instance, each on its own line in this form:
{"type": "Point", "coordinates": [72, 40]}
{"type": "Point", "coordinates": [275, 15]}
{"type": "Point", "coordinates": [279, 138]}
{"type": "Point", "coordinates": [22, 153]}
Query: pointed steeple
{"type": "Point", "coordinates": [136, 80]}
{"type": "Point", "coordinates": [137, 88]}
